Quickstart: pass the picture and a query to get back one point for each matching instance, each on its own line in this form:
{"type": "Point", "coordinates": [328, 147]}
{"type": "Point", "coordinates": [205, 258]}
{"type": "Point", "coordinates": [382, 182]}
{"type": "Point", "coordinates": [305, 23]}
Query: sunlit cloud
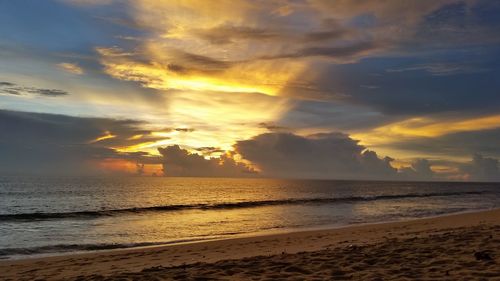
{"type": "Point", "coordinates": [145, 146]}
{"type": "Point", "coordinates": [107, 135]}
{"type": "Point", "coordinates": [206, 76]}
{"type": "Point", "coordinates": [168, 73]}
{"type": "Point", "coordinates": [135, 137]}
{"type": "Point", "coordinates": [262, 52]}
{"type": "Point", "coordinates": [216, 120]}
{"type": "Point", "coordinates": [219, 87]}
{"type": "Point", "coordinates": [426, 127]}
{"type": "Point", "coordinates": [71, 68]}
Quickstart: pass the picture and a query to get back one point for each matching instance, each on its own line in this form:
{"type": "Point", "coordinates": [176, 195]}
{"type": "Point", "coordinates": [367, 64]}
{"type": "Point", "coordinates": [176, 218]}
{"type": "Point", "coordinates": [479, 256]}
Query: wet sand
{"type": "Point", "coordinates": [455, 247]}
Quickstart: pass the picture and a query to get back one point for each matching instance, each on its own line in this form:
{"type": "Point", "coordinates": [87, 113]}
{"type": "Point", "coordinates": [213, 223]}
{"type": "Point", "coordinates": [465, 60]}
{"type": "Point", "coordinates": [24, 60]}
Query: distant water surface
{"type": "Point", "coordinates": [49, 215]}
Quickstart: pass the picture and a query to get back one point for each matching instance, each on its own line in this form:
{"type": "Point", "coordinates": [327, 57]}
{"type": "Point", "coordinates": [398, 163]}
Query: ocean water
{"type": "Point", "coordinates": [54, 215]}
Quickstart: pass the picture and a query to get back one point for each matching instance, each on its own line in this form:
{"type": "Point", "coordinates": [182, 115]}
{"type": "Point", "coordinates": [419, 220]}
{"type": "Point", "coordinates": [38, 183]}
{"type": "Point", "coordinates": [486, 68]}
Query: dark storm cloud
{"type": "Point", "coordinates": [482, 169]}
{"type": "Point", "coordinates": [178, 162]}
{"type": "Point", "coordinates": [13, 89]}
{"type": "Point", "coordinates": [420, 169]}
{"type": "Point", "coordinates": [58, 144]}
{"type": "Point", "coordinates": [377, 61]}
{"type": "Point", "coordinates": [67, 128]}
{"type": "Point", "coordinates": [333, 155]}
{"type": "Point", "coordinates": [327, 156]}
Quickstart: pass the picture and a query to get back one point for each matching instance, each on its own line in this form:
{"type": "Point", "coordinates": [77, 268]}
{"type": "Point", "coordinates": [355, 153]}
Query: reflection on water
{"type": "Point", "coordinates": [39, 215]}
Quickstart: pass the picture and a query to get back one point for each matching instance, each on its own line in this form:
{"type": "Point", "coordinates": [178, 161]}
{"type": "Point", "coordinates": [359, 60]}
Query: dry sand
{"type": "Point", "coordinates": [455, 247]}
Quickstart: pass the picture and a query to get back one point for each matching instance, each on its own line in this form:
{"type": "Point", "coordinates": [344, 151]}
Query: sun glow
{"type": "Point", "coordinates": [222, 92]}
{"type": "Point", "coordinates": [204, 84]}
{"type": "Point", "coordinates": [128, 167]}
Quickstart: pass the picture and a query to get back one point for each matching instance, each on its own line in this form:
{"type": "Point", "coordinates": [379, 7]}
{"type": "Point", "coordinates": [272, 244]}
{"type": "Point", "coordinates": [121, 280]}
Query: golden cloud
{"type": "Point", "coordinates": [426, 127]}
{"type": "Point", "coordinates": [71, 68]}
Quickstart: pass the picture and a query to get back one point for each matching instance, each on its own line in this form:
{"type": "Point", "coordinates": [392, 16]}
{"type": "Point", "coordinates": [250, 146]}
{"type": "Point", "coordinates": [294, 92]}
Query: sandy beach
{"type": "Point", "coordinates": [454, 247]}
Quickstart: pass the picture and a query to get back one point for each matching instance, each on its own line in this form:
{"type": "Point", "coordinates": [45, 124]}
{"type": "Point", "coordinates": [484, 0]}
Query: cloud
{"type": "Point", "coordinates": [210, 151]}
{"type": "Point", "coordinates": [421, 25]}
{"type": "Point", "coordinates": [341, 53]}
{"type": "Point", "coordinates": [412, 92]}
{"type": "Point", "coordinates": [185, 130]}
{"type": "Point", "coordinates": [332, 155]}
{"type": "Point", "coordinates": [464, 23]}
{"type": "Point", "coordinates": [71, 68]}
{"type": "Point", "coordinates": [328, 156]}
{"type": "Point", "coordinates": [387, 12]}
{"type": "Point", "coordinates": [460, 145]}
{"type": "Point", "coordinates": [8, 88]}
{"type": "Point", "coordinates": [262, 52]}
{"type": "Point", "coordinates": [57, 144]}
{"type": "Point", "coordinates": [46, 92]}
{"type": "Point", "coordinates": [482, 169]}
{"type": "Point", "coordinates": [273, 127]}
{"type": "Point", "coordinates": [420, 169]}
{"type": "Point", "coordinates": [226, 34]}
{"type": "Point", "coordinates": [196, 62]}
{"type": "Point", "coordinates": [35, 143]}
{"type": "Point", "coordinates": [442, 69]}
{"type": "Point", "coordinates": [167, 68]}
{"type": "Point", "coordinates": [178, 162]}
{"type": "Point", "coordinates": [274, 34]}
{"type": "Point", "coordinates": [427, 127]}
{"type": "Point", "coordinates": [356, 53]}
{"type": "Point", "coordinates": [238, 68]}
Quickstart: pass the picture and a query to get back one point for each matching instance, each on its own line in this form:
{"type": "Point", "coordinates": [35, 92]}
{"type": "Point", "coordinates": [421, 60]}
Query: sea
{"type": "Point", "coordinates": [42, 216]}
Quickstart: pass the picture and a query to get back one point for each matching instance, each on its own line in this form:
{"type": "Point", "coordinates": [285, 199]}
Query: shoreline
{"type": "Point", "coordinates": [135, 260]}
{"type": "Point", "coordinates": [187, 241]}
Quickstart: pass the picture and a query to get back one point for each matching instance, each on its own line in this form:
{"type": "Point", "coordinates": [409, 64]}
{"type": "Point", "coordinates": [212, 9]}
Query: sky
{"type": "Point", "coordinates": [344, 89]}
